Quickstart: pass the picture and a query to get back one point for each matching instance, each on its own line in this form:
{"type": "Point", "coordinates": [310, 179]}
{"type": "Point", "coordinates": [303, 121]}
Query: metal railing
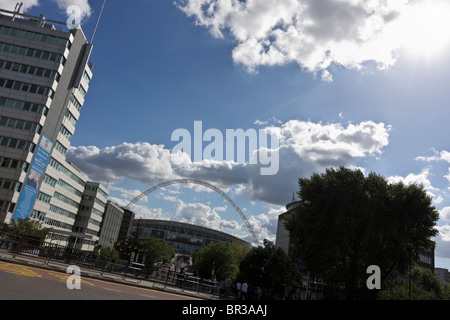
{"type": "Point", "coordinates": [21, 245]}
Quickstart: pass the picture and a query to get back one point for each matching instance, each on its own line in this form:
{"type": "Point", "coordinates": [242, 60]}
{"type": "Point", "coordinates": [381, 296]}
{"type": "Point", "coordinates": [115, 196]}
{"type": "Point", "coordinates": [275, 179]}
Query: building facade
{"type": "Point", "coordinates": [112, 220]}
{"type": "Point", "coordinates": [443, 274]}
{"type": "Point", "coordinates": [126, 226]}
{"type": "Point", "coordinates": [44, 77]}
{"type": "Point", "coordinates": [185, 238]}
{"type": "Point", "coordinates": [282, 239]}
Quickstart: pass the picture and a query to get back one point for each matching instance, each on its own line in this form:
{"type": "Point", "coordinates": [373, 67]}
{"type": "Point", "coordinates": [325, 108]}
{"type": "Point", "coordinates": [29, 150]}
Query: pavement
{"type": "Point", "coordinates": [88, 272]}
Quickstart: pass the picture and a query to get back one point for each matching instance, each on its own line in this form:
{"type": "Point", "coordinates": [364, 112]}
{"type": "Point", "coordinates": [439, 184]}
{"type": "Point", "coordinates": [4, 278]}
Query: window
{"type": "Point", "coordinates": [38, 54]}
{"type": "Point", "coordinates": [44, 197]}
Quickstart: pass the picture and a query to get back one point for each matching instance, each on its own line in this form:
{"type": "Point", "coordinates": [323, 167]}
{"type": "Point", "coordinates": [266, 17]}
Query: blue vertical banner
{"type": "Point", "coordinates": [34, 178]}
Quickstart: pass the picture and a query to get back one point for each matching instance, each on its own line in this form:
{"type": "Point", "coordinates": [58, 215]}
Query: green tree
{"type": "Point", "coordinates": [132, 244]}
{"type": "Point", "coordinates": [348, 222]}
{"type": "Point", "coordinates": [27, 227]}
{"type": "Point", "coordinates": [241, 250]}
{"type": "Point", "coordinates": [108, 252]}
{"type": "Point", "coordinates": [268, 268]}
{"type": "Point", "coordinates": [424, 286]}
{"type": "Point", "coordinates": [221, 256]}
{"type": "Point", "coordinates": [157, 250]}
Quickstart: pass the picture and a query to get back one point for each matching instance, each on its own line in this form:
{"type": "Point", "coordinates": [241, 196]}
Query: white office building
{"type": "Point", "coordinates": [44, 78]}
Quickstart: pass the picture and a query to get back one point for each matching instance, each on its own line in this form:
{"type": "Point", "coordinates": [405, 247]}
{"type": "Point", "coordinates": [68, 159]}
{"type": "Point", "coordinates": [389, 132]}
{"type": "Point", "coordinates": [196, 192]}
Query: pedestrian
{"type": "Point", "coordinates": [222, 289]}
{"type": "Point", "coordinates": [244, 290]}
{"type": "Point", "coordinates": [250, 292]}
{"type": "Point", "coordinates": [238, 288]}
{"type": "Point", "coordinates": [181, 277]}
{"type": "Point", "coordinates": [227, 287]}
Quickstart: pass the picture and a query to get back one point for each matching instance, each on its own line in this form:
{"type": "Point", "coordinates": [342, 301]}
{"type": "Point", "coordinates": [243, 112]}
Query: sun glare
{"type": "Point", "coordinates": [425, 28]}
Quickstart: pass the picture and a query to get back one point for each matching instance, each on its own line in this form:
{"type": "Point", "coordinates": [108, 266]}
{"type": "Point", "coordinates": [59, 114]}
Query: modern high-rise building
{"type": "Point", "coordinates": [112, 220]}
{"type": "Point", "coordinates": [44, 76]}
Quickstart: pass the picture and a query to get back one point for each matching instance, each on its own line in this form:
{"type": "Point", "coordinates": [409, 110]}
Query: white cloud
{"type": "Point", "coordinates": [260, 123]}
{"type": "Point", "coordinates": [412, 178]}
{"type": "Point", "coordinates": [438, 156]}
{"type": "Point", "coordinates": [127, 194]}
{"type": "Point", "coordinates": [141, 211]}
{"type": "Point", "coordinates": [11, 5]}
{"type": "Point", "coordinates": [420, 179]}
{"type": "Point", "coordinates": [141, 161]}
{"type": "Point", "coordinates": [444, 214]}
{"type": "Point", "coordinates": [312, 33]}
{"type": "Point", "coordinates": [85, 9]}
{"type": "Point", "coordinates": [305, 148]}
{"type": "Point", "coordinates": [444, 233]}
{"type": "Point", "coordinates": [447, 176]}
{"type": "Point", "coordinates": [83, 5]}
{"type": "Point", "coordinates": [204, 215]}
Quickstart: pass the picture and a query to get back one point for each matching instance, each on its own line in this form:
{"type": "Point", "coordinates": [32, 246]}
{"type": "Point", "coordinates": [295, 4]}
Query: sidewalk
{"type": "Point", "coordinates": [103, 275]}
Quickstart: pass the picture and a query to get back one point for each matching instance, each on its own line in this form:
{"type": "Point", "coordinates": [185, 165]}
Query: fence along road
{"type": "Point", "coordinates": [23, 249]}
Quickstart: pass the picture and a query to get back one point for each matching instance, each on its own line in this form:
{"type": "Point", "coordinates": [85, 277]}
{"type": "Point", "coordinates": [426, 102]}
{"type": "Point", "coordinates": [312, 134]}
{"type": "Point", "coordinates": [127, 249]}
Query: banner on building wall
{"type": "Point", "coordinates": [34, 178]}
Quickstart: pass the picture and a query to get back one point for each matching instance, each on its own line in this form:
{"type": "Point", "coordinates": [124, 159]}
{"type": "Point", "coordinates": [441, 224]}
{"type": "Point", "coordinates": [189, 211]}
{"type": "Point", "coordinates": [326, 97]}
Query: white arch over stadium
{"type": "Point", "coordinates": [202, 183]}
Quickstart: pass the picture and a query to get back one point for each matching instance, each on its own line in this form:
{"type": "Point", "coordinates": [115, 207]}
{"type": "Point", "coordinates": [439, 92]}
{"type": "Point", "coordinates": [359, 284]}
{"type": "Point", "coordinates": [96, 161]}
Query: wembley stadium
{"type": "Point", "coordinates": [185, 238]}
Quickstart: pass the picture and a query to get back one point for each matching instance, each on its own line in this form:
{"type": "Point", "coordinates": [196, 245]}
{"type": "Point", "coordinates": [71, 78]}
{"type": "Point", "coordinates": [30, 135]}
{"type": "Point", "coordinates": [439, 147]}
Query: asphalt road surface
{"type": "Point", "coordinates": [19, 282]}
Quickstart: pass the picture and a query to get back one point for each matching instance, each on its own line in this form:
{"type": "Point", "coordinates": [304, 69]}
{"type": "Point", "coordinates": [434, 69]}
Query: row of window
{"type": "Point", "coordinates": [67, 186]}
{"type": "Point", "coordinates": [91, 209]}
{"type": "Point", "coordinates": [58, 166]}
{"type": "Point", "coordinates": [27, 87]}
{"type": "Point", "coordinates": [13, 164]}
{"type": "Point", "coordinates": [10, 185]}
{"type": "Point", "coordinates": [80, 218]}
{"type": "Point", "coordinates": [6, 205]}
{"type": "Point", "coordinates": [44, 197]}
{"type": "Point", "coordinates": [29, 52]}
{"type": "Point", "coordinates": [85, 230]}
{"type": "Point", "coordinates": [49, 180]}
{"type": "Point", "coordinates": [81, 90]}
{"type": "Point", "coordinates": [59, 224]}
{"type": "Point", "coordinates": [17, 143]}
{"type": "Point", "coordinates": [63, 212]}
{"type": "Point", "coordinates": [65, 199]}
{"type": "Point", "coordinates": [20, 124]}
{"type": "Point", "coordinates": [38, 215]}
{"type": "Point", "coordinates": [66, 133]}
{"type": "Point", "coordinates": [14, 32]}
{"type": "Point", "coordinates": [95, 199]}
{"type": "Point", "coordinates": [27, 69]}
{"type": "Point", "coordinates": [75, 102]}
{"type": "Point", "coordinates": [91, 232]}
{"type": "Point", "coordinates": [60, 148]}
{"type": "Point", "coordinates": [70, 117]}
{"type": "Point", "coordinates": [96, 189]}
{"type": "Point", "coordinates": [23, 105]}
{"type": "Point", "coordinates": [86, 77]}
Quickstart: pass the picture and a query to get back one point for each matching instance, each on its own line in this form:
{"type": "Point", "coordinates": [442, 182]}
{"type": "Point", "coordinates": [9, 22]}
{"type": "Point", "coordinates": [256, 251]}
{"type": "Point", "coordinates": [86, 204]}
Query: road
{"type": "Point", "coordinates": [19, 282]}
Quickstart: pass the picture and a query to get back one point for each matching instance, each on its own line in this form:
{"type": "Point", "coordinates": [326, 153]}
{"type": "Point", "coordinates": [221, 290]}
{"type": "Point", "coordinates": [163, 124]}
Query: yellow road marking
{"type": "Point", "coordinates": [28, 271]}
{"type": "Point", "coordinates": [18, 269]}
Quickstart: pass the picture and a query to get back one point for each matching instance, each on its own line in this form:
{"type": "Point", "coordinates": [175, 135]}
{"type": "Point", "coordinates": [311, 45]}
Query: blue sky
{"type": "Point", "coordinates": [354, 83]}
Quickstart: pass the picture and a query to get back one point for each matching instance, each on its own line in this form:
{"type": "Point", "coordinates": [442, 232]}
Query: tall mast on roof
{"type": "Point", "coordinates": [98, 20]}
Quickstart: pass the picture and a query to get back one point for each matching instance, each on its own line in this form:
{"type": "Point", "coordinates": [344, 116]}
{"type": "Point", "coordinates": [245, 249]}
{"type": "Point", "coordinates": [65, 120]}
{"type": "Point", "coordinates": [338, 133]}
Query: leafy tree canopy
{"type": "Point", "coordinates": [348, 222]}
{"type": "Point", "coordinates": [27, 227]}
{"type": "Point", "coordinates": [222, 256]}
{"type": "Point", "coordinates": [267, 267]}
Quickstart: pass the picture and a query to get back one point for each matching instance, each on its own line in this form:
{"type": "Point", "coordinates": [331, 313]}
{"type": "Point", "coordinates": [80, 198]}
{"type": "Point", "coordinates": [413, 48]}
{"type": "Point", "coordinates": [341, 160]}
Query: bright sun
{"type": "Point", "coordinates": [425, 28]}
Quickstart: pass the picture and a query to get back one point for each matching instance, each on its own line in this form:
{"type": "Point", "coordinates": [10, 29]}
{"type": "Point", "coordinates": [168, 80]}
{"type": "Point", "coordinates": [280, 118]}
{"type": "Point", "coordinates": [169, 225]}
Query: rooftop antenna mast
{"type": "Point", "coordinates": [98, 20]}
{"type": "Point", "coordinates": [17, 9]}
